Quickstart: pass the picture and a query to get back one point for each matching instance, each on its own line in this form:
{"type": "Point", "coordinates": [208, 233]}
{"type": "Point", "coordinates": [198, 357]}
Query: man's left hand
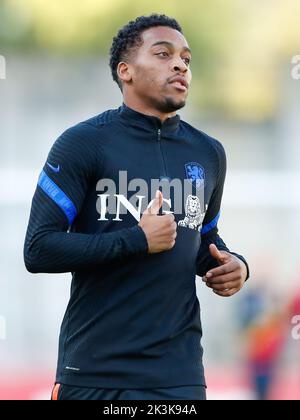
{"type": "Point", "coordinates": [229, 278]}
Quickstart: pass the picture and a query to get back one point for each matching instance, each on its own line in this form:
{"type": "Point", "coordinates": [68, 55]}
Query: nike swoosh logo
{"type": "Point", "coordinates": [54, 169]}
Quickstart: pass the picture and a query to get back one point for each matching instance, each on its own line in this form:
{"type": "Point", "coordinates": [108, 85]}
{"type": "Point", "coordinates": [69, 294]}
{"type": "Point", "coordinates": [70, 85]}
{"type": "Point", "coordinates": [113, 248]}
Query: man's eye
{"type": "Point", "coordinates": [163, 54]}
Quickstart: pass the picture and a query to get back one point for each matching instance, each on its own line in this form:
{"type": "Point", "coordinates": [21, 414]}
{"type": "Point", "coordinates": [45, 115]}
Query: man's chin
{"type": "Point", "coordinates": [171, 104]}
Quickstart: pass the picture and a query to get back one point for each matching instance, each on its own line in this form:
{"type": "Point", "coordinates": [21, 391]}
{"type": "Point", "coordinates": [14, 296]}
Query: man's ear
{"type": "Point", "coordinates": [124, 72]}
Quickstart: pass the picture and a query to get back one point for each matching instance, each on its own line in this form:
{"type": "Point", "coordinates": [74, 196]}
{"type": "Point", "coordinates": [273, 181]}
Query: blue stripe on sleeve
{"type": "Point", "coordinates": [211, 225]}
{"type": "Point", "coordinates": [58, 196]}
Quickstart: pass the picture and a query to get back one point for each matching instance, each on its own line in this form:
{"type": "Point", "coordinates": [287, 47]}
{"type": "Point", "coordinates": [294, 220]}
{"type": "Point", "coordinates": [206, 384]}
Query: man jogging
{"type": "Point", "coordinates": [132, 327]}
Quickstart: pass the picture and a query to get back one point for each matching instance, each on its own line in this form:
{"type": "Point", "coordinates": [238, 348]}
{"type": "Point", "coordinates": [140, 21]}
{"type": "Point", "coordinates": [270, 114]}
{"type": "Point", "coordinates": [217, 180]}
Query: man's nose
{"type": "Point", "coordinates": [179, 65]}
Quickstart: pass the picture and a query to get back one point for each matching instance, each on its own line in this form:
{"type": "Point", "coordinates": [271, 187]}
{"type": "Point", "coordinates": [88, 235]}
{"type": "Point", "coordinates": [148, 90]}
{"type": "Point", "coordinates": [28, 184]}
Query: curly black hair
{"type": "Point", "coordinates": [129, 37]}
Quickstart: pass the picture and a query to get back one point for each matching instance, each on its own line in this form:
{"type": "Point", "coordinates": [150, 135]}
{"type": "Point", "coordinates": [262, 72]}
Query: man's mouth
{"type": "Point", "coordinates": [179, 86]}
{"type": "Point", "coordinates": [180, 83]}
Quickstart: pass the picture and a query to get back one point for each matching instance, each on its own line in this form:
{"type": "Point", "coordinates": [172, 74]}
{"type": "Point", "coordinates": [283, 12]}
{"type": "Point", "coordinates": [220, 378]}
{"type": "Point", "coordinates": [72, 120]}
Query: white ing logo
{"type": "Point", "coordinates": [193, 218]}
{"type": "Point", "coordinates": [121, 199]}
{"type": "Point", "coordinates": [296, 328]}
{"type": "Point", "coordinates": [2, 68]}
{"type": "Point", "coordinates": [2, 328]}
{"type": "Point", "coordinates": [112, 203]}
{"type": "Point", "coordinates": [296, 67]}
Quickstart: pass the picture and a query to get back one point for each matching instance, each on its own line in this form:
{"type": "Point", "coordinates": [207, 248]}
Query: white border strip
{"type": "Point", "coordinates": [242, 189]}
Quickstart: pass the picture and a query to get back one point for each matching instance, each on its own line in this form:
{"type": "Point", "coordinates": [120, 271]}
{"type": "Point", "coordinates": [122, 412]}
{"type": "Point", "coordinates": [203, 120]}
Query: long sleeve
{"type": "Point", "coordinates": [209, 232]}
{"type": "Point", "coordinates": [50, 246]}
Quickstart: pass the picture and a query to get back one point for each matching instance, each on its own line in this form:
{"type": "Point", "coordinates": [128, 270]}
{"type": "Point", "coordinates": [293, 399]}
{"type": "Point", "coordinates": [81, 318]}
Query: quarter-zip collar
{"type": "Point", "coordinates": [148, 122]}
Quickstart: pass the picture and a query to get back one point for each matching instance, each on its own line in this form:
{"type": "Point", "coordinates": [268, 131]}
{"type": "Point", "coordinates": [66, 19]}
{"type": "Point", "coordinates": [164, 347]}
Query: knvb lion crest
{"type": "Point", "coordinates": [195, 174]}
{"type": "Point", "coordinates": [193, 215]}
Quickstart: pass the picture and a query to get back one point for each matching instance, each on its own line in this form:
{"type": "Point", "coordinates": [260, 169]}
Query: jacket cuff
{"type": "Point", "coordinates": [244, 261]}
{"type": "Point", "coordinates": [137, 240]}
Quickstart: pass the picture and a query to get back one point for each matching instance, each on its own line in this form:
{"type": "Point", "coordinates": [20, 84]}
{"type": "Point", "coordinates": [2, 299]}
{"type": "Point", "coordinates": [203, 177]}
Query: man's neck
{"type": "Point", "coordinates": [147, 110]}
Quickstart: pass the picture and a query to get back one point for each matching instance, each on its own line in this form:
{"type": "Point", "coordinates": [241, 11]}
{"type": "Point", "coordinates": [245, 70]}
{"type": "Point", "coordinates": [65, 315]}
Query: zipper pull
{"type": "Point", "coordinates": [159, 134]}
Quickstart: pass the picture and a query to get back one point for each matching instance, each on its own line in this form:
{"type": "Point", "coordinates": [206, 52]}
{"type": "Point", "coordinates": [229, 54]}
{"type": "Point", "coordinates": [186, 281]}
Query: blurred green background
{"type": "Point", "coordinates": [238, 46]}
{"type": "Point", "coordinates": [243, 93]}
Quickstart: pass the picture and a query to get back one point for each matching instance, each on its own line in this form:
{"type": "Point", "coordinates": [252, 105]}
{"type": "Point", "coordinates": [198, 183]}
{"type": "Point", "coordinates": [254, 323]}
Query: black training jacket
{"type": "Point", "coordinates": [133, 318]}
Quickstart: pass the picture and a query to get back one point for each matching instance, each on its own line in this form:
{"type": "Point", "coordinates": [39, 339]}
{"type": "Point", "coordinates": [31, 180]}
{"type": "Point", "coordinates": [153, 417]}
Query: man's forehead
{"type": "Point", "coordinates": [163, 34]}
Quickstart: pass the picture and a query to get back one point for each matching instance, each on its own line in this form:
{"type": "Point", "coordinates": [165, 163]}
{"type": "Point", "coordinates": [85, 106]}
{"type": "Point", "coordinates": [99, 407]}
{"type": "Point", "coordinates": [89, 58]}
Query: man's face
{"type": "Point", "coordinates": [160, 69]}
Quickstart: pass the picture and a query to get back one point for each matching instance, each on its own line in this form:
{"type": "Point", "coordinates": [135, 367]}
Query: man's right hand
{"type": "Point", "coordinates": [160, 231]}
